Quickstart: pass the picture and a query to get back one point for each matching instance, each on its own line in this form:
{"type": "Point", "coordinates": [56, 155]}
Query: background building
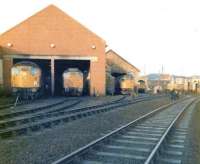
{"type": "Point", "coordinates": [158, 82]}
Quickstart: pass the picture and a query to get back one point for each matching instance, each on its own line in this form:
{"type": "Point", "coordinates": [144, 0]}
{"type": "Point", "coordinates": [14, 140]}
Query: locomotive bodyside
{"type": "Point", "coordinates": [26, 79]}
{"type": "Point", "coordinates": [73, 82]}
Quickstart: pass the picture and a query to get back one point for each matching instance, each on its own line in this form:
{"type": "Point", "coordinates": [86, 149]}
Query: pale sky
{"type": "Point", "coordinates": [147, 33]}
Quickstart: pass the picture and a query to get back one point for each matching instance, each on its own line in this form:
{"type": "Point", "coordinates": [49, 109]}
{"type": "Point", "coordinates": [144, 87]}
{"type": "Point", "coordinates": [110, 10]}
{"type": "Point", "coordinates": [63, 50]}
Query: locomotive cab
{"type": "Point", "coordinates": [26, 80]}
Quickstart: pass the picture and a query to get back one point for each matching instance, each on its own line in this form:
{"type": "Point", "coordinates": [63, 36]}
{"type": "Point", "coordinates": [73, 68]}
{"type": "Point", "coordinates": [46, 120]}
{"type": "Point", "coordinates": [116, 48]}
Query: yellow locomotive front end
{"type": "Point", "coordinates": [25, 78]}
{"type": "Point", "coordinates": [73, 82]}
{"type": "Point", "coordinates": [127, 84]}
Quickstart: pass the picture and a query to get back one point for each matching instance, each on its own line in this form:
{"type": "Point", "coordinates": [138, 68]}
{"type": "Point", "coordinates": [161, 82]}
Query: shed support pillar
{"type": "Point", "coordinates": [97, 78]}
{"type": "Point", "coordinates": [52, 76]}
{"type": "Point", "coordinates": [7, 65]}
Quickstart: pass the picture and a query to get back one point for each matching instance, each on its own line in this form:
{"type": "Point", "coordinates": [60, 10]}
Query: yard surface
{"type": "Point", "coordinates": [6, 100]}
{"type": "Point", "coordinates": [48, 145]}
{"type": "Point", "coordinates": [195, 137]}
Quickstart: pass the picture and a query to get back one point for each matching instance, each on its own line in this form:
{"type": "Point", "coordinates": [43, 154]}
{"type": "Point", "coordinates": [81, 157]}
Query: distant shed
{"type": "Point", "coordinates": [118, 65]}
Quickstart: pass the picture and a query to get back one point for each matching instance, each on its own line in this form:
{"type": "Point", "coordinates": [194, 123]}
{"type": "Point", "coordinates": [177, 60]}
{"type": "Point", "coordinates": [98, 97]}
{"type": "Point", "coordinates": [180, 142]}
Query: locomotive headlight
{"type": "Point", "coordinates": [35, 83]}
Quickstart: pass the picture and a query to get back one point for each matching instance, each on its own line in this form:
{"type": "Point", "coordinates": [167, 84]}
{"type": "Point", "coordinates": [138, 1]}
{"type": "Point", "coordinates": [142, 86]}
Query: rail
{"type": "Point", "coordinates": [70, 157]}
{"type": "Point", "coordinates": [159, 144]}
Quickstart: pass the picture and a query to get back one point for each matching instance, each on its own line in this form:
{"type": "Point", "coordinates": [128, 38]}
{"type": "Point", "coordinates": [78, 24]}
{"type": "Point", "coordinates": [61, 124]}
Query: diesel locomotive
{"type": "Point", "coordinates": [126, 84]}
{"type": "Point", "coordinates": [26, 79]}
{"type": "Point", "coordinates": [73, 82]}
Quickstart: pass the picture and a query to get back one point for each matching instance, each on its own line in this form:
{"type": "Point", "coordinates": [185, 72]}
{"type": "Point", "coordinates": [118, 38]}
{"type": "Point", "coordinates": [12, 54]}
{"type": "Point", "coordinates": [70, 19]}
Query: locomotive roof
{"type": "Point", "coordinates": [26, 63]}
{"type": "Point", "coordinates": [72, 70]}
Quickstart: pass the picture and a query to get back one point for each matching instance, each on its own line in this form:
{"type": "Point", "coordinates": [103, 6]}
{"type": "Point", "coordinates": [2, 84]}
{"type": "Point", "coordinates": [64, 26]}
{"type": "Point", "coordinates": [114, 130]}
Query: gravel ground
{"type": "Point", "coordinates": [49, 145]}
{"type": "Point", "coordinates": [35, 104]}
{"type": "Point", "coordinates": [192, 155]}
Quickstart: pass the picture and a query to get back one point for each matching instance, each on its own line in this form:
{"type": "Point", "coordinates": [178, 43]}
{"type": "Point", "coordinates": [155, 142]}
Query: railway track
{"type": "Point", "coordinates": [22, 124]}
{"type": "Point", "coordinates": [12, 105]}
{"type": "Point", "coordinates": [140, 141]}
{"type": "Point", "coordinates": [42, 108]}
{"type": "Point", "coordinates": [174, 149]}
{"type": "Point", "coordinates": [16, 113]}
{"type": "Point", "coordinates": [52, 107]}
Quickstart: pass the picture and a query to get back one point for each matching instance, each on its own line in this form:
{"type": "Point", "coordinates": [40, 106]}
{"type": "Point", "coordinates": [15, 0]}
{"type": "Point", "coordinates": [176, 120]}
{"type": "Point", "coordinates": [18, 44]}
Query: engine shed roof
{"type": "Point", "coordinates": [117, 64]}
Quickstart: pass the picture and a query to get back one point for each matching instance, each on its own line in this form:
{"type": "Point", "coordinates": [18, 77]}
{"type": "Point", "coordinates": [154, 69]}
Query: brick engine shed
{"type": "Point", "coordinates": [54, 40]}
